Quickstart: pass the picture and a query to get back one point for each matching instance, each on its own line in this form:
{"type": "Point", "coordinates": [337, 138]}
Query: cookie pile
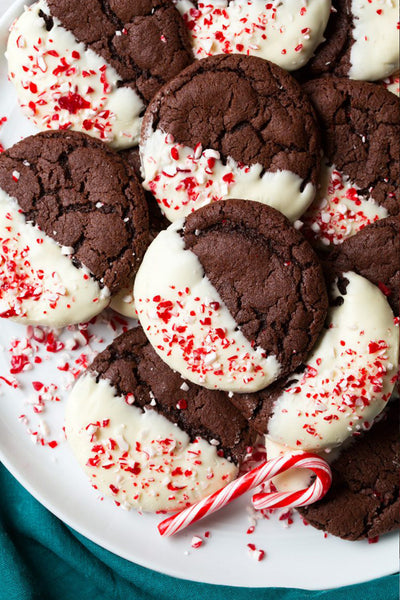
{"type": "Point", "coordinates": [227, 174]}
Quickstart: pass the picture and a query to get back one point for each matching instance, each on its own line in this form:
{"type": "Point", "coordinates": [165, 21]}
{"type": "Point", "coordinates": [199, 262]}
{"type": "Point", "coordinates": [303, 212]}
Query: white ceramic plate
{"type": "Point", "coordinates": [296, 556]}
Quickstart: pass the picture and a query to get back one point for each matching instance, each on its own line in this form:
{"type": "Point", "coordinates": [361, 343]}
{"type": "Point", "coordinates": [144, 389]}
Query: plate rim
{"type": "Point", "coordinates": [6, 18]}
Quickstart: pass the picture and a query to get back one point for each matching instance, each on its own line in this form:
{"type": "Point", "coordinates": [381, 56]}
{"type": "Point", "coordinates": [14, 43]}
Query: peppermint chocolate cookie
{"type": "Point", "coordinates": [94, 66]}
{"type": "Point", "coordinates": [286, 32]}
{"type": "Point", "coordinates": [373, 253]}
{"type": "Point", "coordinates": [233, 297]}
{"type": "Point", "coordinates": [359, 178]}
{"type": "Point", "coordinates": [362, 41]}
{"type": "Point", "coordinates": [147, 438]}
{"type": "Point", "coordinates": [363, 501]}
{"type": "Point", "coordinates": [345, 381]}
{"type": "Point", "coordinates": [230, 127]}
{"type": "Point", "coordinates": [73, 227]}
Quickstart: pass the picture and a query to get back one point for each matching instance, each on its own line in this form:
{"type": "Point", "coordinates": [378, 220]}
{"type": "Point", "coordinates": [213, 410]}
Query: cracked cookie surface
{"type": "Point", "coordinates": [83, 196]}
{"type": "Point", "coordinates": [242, 107]}
{"type": "Point", "coordinates": [361, 135]}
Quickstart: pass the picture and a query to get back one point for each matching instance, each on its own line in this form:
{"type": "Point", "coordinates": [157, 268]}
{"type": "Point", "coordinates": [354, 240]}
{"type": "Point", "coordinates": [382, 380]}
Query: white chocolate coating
{"type": "Point", "coordinates": [62, 85]}
{"type": "Point", "coordinates": [375, 51]}
{"type": "Point", "coordinates": [182, 179]}
{"type": "Point", "coordinates": [39, 283]}
{"type": "Point", "coordinates": [139, 458]}
{"type": "Point", "coordinates": [338, 212]}
{"type": "Point", "coordinates": [349, 376]}
{"type": "Point", "coordinates": [124, 304]}
{"type": "Point", "coordinates": [285, 32]}
{"type": "Point", "coordinates": [188, 324]}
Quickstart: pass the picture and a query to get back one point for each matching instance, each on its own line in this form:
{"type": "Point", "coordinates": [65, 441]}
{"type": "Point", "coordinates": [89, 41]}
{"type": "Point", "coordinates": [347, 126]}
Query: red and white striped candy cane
{"type": "Point", "coordinates": [251, 480]}
{"type": "Point", "coordinates": [304, 497]}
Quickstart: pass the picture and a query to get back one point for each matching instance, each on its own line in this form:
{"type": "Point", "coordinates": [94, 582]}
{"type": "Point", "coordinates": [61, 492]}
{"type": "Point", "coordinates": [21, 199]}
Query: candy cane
{"type": "Point", "coordinates": [260, 474]}
{"type": "Point", "coordinates": [304, 497]}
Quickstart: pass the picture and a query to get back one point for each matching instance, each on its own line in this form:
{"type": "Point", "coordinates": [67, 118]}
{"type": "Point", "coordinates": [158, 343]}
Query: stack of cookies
{"type": "Point", "coordinates": [227, 175]}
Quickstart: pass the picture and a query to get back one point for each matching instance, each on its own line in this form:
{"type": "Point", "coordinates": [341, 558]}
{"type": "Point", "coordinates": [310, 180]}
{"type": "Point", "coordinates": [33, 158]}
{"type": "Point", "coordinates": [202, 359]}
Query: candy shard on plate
{"type": "Point", "coordinates": [152, 453]}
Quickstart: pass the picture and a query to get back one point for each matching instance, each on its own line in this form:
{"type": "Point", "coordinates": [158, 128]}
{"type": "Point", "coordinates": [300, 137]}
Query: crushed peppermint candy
{"type": "Point", "coordinates": [196, 541]}
{"type": "Point", "coordinates": [256, 554]}
{"type": "Point", "coordinates": [392, 83]}
{"type": "Point", "coordinates": [190, 177]}
{"type": "Point", "coordinates": [20, 280]}
{"type": "Point", "coordinates": [201, 352]}
{"type": "Point", "coordinates": [352, 387]}
{"type": "Point", "coordinates": [70, 350]}
{"type": "Point", "coordinates": [2, 121]}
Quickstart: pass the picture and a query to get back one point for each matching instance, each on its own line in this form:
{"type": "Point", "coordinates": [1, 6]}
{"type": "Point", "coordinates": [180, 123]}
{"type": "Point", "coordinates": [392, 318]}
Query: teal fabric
{"type": "Point", "coordinates": [43, 559]}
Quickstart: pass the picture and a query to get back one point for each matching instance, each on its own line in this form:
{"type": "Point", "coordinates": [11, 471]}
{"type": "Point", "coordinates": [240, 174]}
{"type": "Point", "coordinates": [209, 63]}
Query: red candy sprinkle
{"type": "Point", "coordinates": [73, 103]}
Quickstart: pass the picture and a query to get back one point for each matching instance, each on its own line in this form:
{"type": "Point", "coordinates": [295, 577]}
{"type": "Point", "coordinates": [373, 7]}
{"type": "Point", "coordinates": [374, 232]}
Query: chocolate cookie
{"type": "Point", "coordinates": [286, 33]}
{"type": "Point", "coordinates": [374, 253]}
{"type": "Point", "coordinates": [147, 437]}
{"type": "Point", "coordinates": [230, 127]}
{"type": "Point", "coordinates": [361, 138]}
{"type": "Point", "coordinates": [123, 301]}
{"type": "Point", "coordinates": [233, 297]}
{"type": "Point", "coordinates": [95, 66]}
{"type": "Point", "coordinates": [361, 41]}
{"type": "Point", "coordinates": [363, 501]}
{"type": "Point", "coordinates": [78, 211]}
{"type": "Point", "coordinates": [346, 380]}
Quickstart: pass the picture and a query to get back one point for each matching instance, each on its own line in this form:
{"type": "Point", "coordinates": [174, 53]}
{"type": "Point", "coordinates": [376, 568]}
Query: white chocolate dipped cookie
{"type": "Point", "coordinates": [93, 73]}
{"type": "Point", "coordinates": [358, 184]}
{"type": "Point", "coordinates": [232, 298]}
{"type": "Point", "coordinates": [145, 437]}
{"type": "Point", "coordinates": [347, 379]}
{"type": "Point", "coordinates": [59, 193]}
{"type": "Point", "coordinates": [230, 127]}
{"type": "Point", "coordinates": [361, 41]}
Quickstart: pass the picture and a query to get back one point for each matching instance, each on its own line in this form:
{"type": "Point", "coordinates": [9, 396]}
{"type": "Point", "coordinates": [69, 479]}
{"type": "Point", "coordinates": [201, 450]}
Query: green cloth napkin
{"type": "Point", "coordinates": [43, 559]}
